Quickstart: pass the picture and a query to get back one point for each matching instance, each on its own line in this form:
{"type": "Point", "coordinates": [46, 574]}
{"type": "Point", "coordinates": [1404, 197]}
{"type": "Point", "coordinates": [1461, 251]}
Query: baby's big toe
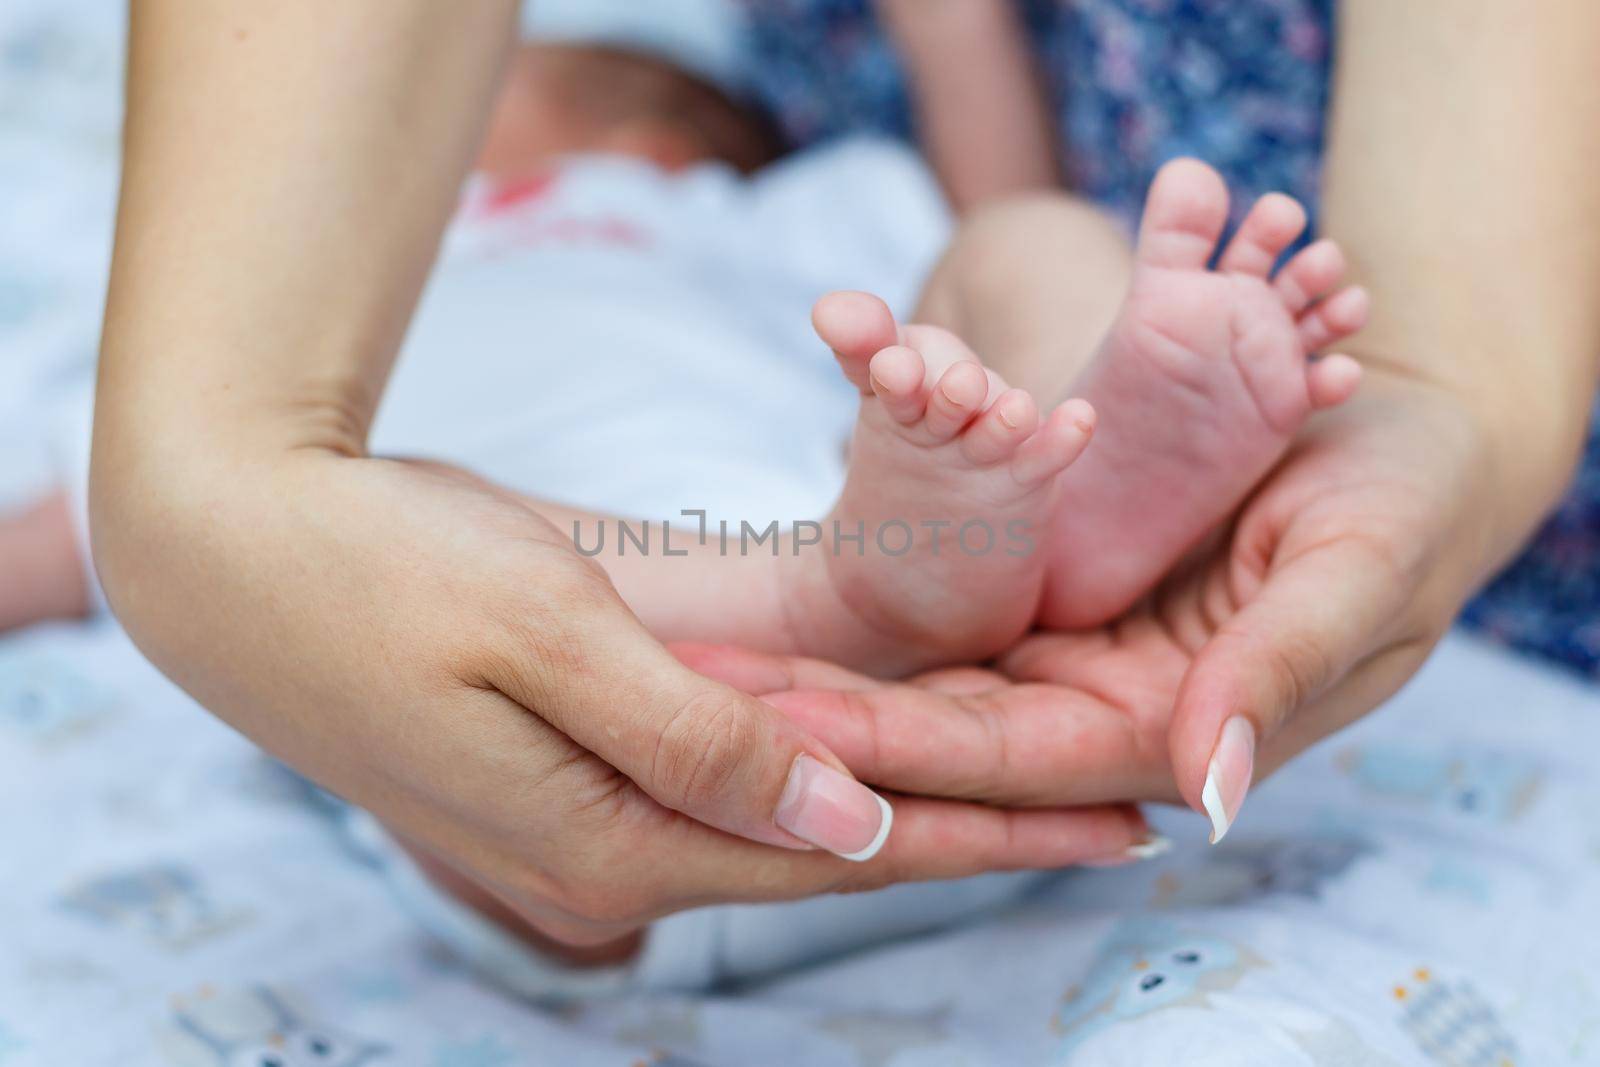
{"type": "Point", "coordinates": [855, 326]}
{"type": "Point", "coordinates": [1183, 216]}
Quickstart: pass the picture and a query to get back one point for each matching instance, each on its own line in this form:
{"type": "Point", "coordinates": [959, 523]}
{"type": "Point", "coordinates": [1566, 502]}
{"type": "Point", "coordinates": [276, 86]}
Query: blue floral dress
{"type": "Point", "coordinates": [1242, 84]}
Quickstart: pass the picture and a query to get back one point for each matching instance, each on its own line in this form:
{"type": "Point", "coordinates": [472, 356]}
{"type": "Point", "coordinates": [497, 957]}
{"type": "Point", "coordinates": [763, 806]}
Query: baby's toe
{"type": "Point", "coordinates": [955, 400]}
{"type": "Point", "coordinates": [995, 435]}
{"type": "Point", "coordinates": [897, 378]}
{"type": "Point", "coordinates": [1057, 445]}
{"type": "Point", "coordinates": [1311, 275]}
{"type": "Point", "coordinates": [1271, 227]}
{"type": "Point", "coordinates": [939, 347]}
{"type": "Point", "coordinates": [1335, 319]}
{"type": "Point", "coordinates": [1332, 380]}
{"type": "Point", "coordinates": [1183, 216]}
{"type": "Point", "coordinates": [856, 326]}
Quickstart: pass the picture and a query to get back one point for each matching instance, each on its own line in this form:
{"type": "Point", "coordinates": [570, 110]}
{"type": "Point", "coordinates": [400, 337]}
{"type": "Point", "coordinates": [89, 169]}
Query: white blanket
{"type": "Point", "coordinates": [1422, 890]}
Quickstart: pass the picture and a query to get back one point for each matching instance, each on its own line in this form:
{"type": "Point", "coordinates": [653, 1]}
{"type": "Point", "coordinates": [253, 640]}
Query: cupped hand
{"type": "Point", "coordinates": [430, 648]}
{"type": "Point", "coordinates": [1324, 596]}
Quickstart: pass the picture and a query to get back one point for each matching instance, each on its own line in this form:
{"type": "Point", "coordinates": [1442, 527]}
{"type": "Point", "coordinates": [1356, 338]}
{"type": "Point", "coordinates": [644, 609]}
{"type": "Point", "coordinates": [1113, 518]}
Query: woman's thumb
{"type": "Point", "coordinates": [1310, 624]}
{"type": "Point", "coordinates": [702, 748]}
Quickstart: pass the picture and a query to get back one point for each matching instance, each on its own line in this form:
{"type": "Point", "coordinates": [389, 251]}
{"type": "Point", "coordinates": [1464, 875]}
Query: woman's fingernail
{"type": "Point", "coordinates": [833, 811]}
{"type": "Point", "coordinates": [1152, 846]}
{"type": "Point", "coordinates": [1228, 777]}
{"type": "Point", "coordinates": [1149, 848]}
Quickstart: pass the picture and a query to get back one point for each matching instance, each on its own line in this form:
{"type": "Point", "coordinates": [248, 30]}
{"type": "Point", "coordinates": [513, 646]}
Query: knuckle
{"type": "Point", "coordinates": [871, 727]}
{"type": "Point", "coordinates": [531, 643]}
{"type": "Point", "coordinates": [1000, 760]}
{"type": "Point", "coordinates": [1395, 559]}
{"type": "Point", "coordinates": [702, 750]}
{"type": "Point", "coordinates": [1299, 666]}
{"type": "Point", "coordinates": [989, 770]}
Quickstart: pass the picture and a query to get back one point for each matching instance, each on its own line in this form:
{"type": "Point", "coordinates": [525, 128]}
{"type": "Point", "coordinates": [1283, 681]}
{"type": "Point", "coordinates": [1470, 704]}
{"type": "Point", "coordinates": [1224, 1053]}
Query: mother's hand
{"type": "Point", "coordinates": [430, 648]}
{"type": "Point", "coordinates": [1329, 591]}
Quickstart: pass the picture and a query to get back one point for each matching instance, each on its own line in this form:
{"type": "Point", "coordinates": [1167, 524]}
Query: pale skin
{"type": "Point", "coordinates": [249, 544]}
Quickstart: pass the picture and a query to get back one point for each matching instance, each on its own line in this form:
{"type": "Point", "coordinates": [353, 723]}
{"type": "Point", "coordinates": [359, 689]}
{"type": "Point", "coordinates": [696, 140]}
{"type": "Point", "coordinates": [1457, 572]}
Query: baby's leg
{"type": "Point", "coordinates": [42, 576]}
{"type": "Point", "coordinates": [1032, 283]}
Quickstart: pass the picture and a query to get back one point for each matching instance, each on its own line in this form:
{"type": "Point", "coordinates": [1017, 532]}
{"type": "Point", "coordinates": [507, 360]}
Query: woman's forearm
{"type": "Point", "coordinates": [289, 168]}
{"type": "Point", "coordinates": [1460, 183]}
{"type": "Point", "coordinates": [982, 112]}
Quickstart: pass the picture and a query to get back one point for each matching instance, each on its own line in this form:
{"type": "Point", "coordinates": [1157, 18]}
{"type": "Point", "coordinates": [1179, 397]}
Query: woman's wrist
{"type": "Point", "coordinates": [1507, 469]}
{"type": "Point", "coordinates": [1530, 451]}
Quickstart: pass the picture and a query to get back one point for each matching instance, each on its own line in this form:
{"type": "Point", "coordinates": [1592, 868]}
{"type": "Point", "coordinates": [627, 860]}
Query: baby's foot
{"type": "Point", "coordinates": [1202, 383]}
{"type": "Point", "coordinates": [951, 479]}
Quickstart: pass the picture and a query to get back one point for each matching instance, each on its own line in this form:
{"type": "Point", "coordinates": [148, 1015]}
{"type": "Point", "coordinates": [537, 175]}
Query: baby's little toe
{"type": "Point", "coordinates": [1332, 380]}
{"type": "Point", "coordinates": [1057, 445]}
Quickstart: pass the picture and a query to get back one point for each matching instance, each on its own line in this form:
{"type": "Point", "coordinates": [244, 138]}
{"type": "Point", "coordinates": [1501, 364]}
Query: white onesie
{"type": "Point", "coordinates": [625, 340]}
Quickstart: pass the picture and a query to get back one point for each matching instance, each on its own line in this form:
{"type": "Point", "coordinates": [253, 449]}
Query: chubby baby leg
{"type": "Point", "coordinates": [1033, 283]}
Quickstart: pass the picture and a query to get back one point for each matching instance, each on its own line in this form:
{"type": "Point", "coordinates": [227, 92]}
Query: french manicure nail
{"type": "Point", "coordinates": [833, 811]}
{"type": "Point", "coordinates": [1151, 846]}
{"type": "Point", "coordinates": [1229, 775]}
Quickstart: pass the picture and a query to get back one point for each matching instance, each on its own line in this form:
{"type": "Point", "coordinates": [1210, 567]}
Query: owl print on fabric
{"type": "Point", "coordinates": [1474, 784]}
{"type": "Point", "coordinates": [165, 903]}
{"type": "Point", "coordinates": [1146, 967]}
{"type": "Point", "coordinates": [1157, 989]}
{"type": "Point", "coordinates": [257, 1027]}
{"type": "Point", "coordinates": [1452, 1024]}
